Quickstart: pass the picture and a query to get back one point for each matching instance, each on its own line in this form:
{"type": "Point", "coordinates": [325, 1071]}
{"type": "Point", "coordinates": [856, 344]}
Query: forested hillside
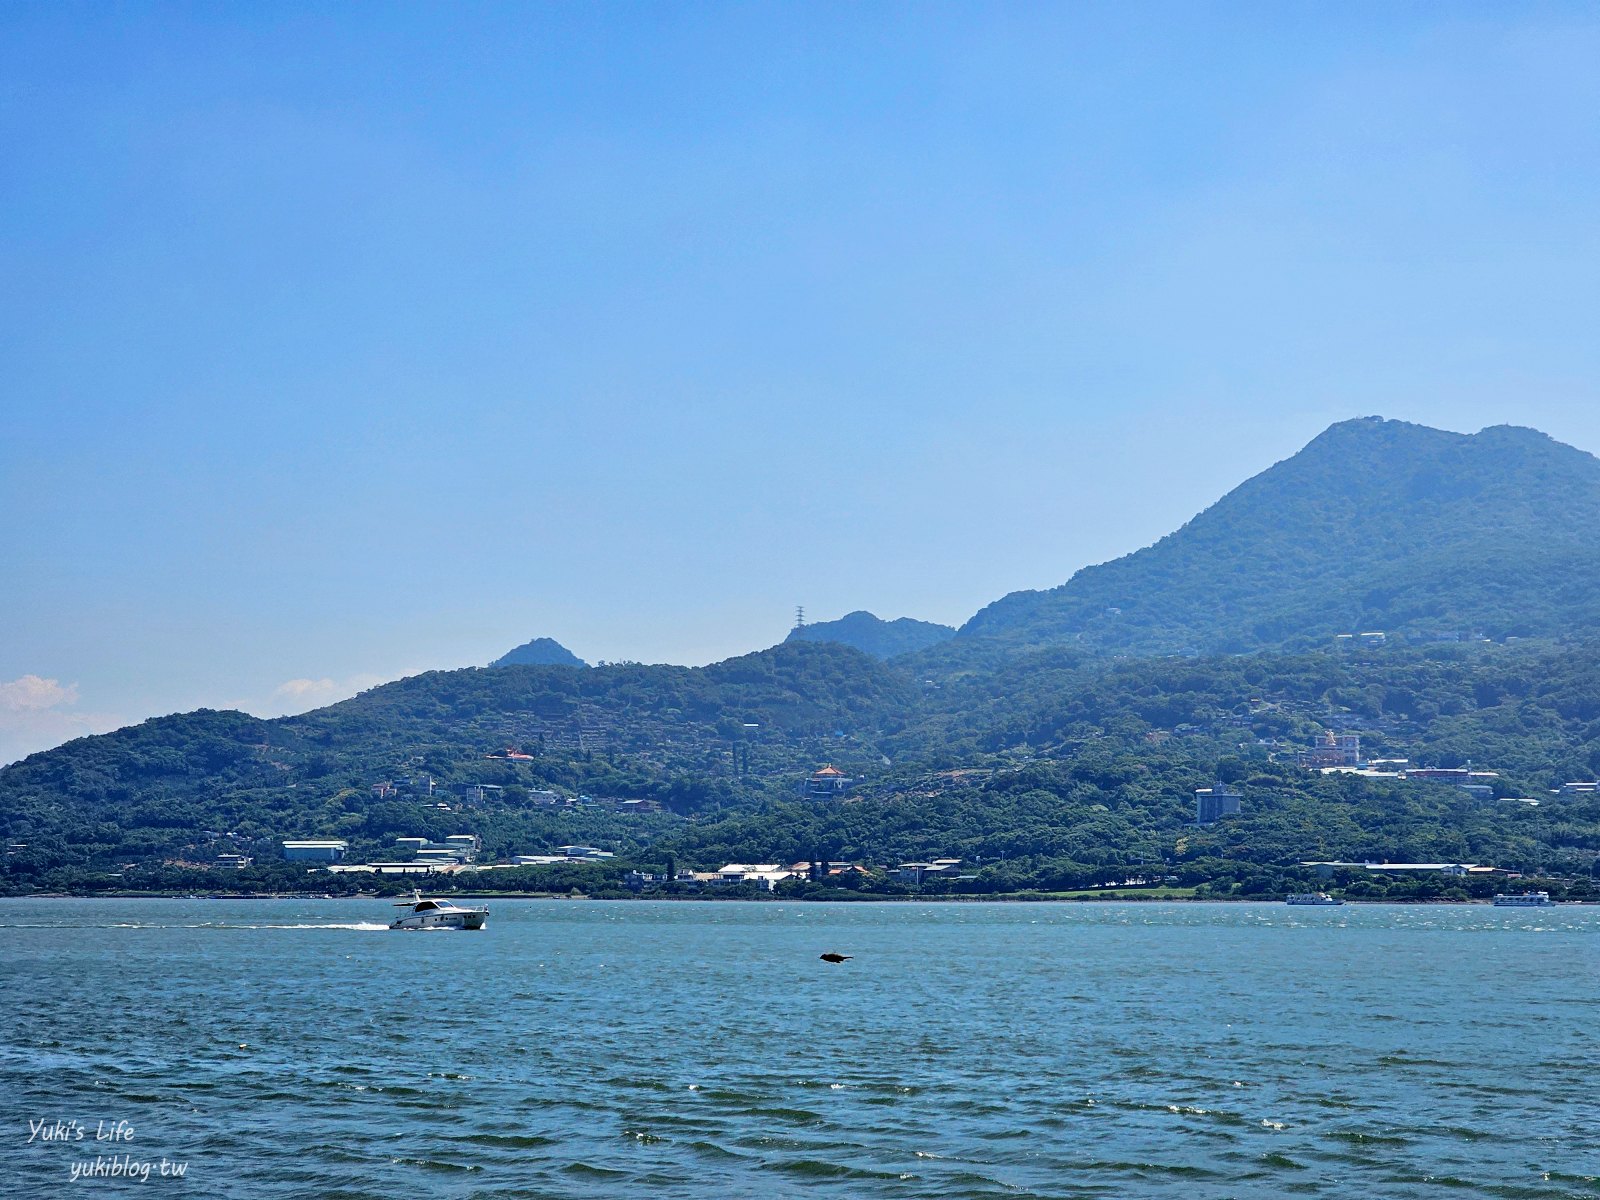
{"type": "Point", "coordinates": [874, 635]}
{"type": "Point", "coordinates": [1044, 744]}
{"type": "Point", "coordinates": [687, 738]}
{"type": "Point", "coordinates": [1375, 525]}
{"type": "Point", "coordinates": [1058, 766]}
{"type": "Point", "coordinates": [540, 652]}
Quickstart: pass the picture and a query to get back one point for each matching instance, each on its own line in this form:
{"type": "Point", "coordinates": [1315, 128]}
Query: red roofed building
{"type": "Point", "coordinates": [826, 784]}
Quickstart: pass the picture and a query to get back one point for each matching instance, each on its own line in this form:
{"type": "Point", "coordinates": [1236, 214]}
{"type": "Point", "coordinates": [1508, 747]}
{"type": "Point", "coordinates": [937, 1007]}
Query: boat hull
{"type": "Point", "coordinates": [442, 920]}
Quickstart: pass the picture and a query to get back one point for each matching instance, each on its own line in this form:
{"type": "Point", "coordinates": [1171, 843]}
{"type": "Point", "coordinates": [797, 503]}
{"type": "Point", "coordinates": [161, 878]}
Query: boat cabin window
{"type": "Point", "coordinates": [426, 905]}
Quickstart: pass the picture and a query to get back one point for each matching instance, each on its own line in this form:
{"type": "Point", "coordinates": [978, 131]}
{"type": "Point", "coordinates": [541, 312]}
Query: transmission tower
{"type": "Point", "coordinates": [799, 616]}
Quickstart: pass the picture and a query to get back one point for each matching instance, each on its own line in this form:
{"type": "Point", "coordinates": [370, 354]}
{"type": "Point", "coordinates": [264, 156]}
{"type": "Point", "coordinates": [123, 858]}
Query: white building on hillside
{"type": "Point", "coordinates": [314, 850]}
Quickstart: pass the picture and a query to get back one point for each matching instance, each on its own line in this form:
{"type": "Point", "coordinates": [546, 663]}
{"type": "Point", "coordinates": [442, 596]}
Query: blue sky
{"type": "Point", "coordinates": [342, 342]}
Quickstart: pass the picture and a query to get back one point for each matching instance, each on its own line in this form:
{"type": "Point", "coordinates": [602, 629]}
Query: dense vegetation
{"type": "Point", "coordinates": [1376, 525]}
{"type": "Point", "coordinates": [873, 635]}
{"type": "Point", "coordinates": [540, 652]}
{"type": "Point", "coordinates": [1055, 770]}
{"type": "Point", "coordinates": [1028, 745]}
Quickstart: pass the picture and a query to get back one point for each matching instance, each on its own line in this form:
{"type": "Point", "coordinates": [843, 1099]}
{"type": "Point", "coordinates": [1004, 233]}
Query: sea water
{"type": "Point", "coordinates": [298, 1048]}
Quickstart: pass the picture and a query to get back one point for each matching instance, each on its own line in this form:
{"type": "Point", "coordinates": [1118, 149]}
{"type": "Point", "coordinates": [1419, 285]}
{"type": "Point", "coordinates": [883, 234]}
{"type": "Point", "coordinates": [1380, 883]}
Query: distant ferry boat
{"type": "Point", "coordinates": [1313, 898]}
{"type": "Point", "coordinates": [1524, 900]}
{"type": "Point", "coordinates": [436, 914]}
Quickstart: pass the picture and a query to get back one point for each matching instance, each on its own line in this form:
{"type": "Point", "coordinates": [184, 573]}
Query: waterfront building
{"type": "Point", "coordinates": [458, 847]}
{"type": "Point", "coordinates": [315, 850]}
{"type": "Point", "coordinates": [1325, 869]}
{"type": "Point", "coordinates": [939, 868]}
{"type": "Point", "coordinates": [763, 875]}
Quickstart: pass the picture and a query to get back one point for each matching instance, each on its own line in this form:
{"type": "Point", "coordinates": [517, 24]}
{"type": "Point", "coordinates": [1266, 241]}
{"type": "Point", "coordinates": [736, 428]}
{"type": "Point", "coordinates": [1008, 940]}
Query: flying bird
{"type": "Point", "coordinates": [830, 956]}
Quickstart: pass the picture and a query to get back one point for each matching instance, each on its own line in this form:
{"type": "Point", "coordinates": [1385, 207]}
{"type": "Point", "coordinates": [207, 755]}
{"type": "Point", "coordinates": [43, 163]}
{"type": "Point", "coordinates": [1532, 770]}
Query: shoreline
{"type": "Point", "coordinates": [1004, 898]}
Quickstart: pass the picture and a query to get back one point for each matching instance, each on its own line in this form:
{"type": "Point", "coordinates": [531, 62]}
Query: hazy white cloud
{"type": "Point", "coordinates": [30, 693]}
{"type": "Point", "coordinates": [300, 695]}
{"type": "Point", "coordinates": [38, 713]}
{"type": "Point", "coordinates": [296, 689]}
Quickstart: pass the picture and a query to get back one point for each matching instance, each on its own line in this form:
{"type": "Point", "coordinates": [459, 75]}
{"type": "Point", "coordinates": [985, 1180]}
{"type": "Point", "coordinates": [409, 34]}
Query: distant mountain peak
{"type": "Point", "coordinates": [541, 652]}
{"type": "Point", "coordinates": [1375, 524]}
{"type": "Point", "coordinates": [873, 635]}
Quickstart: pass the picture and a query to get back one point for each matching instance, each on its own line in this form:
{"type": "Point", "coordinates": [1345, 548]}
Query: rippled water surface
{"type": "Point", "coordinates": [578, 1049]}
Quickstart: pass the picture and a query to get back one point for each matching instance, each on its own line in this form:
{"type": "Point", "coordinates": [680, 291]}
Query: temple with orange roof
{"type": "Point", "coordinates": [826, 783]}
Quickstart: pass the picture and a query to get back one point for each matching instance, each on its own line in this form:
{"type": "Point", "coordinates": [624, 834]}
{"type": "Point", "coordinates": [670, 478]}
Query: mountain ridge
{"type": "Point", "coordinates": [873, 635]}
{"type": "Point", "coordinates": [1330, 539]}
{"type": "Point", "coordinates": [540, 652]}
{"type": "Point", "coordinates": [1055, 729]}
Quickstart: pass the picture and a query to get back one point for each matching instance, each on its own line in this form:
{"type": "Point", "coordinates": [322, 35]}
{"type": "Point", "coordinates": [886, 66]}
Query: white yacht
{"type": "Point", "coordinates": [1524, 900]}
{"type": "Point", "coordinates": [417, 913]}
{"type": "Point", "coordinates": [1318, 898]}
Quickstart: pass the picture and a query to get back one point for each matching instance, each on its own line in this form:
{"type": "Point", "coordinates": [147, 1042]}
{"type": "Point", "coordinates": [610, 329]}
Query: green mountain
{"type": "Point", "coordinates": [873, 635]}
{"type": "Point", "coordinates": [1042, 765]}
{"type": "Point", "coordinates": [1375, 525]}
{"type": "Point", "coordinates": [541, 652]}
{"type": "Point", "coordinates": [187, 786]}
{"type": "Point", "coordinates": [1057, 768]}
